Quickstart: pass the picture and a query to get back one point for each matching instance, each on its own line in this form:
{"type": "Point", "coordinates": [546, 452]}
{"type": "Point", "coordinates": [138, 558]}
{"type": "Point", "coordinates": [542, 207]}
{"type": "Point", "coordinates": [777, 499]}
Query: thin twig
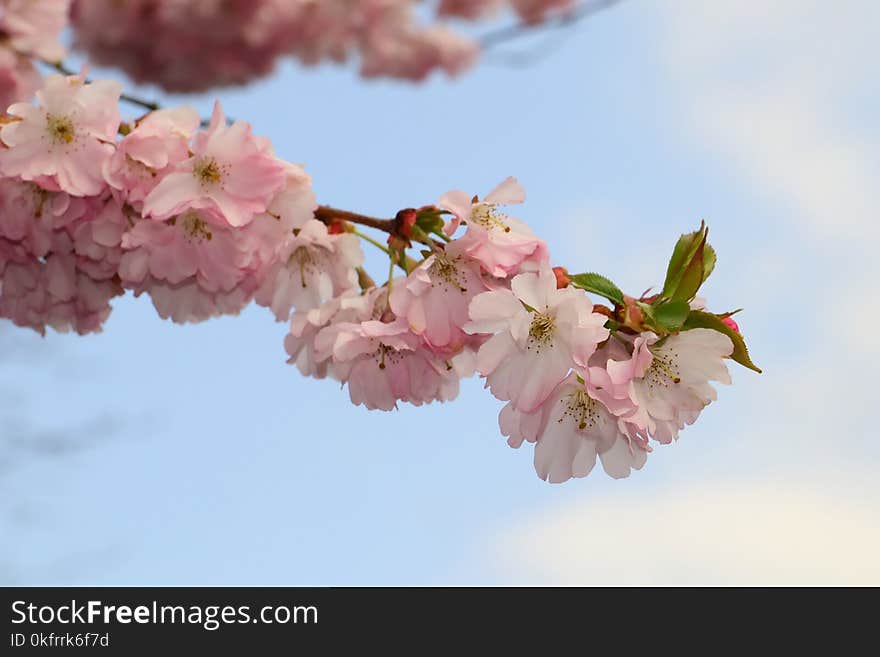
{"type": "Point", "coordinates": [132, 100]}
{"type": "Point", "coordinates": [585, 10]}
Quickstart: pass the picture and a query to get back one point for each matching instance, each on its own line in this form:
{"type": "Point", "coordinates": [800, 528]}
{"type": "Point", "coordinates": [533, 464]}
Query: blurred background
{"type": "Point", "coordinates": [161, 454]}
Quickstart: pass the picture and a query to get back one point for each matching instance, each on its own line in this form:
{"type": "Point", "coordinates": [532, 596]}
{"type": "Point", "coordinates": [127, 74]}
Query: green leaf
{"type": "Point", "coordinates": [701, 319]}
{"type": "Point", "coordinates": [682, 253]}
{"type": "Point", "coordinates": [708, 261]}
{"type": "Point", "coordinates": [691, 263]}
{"type": "Point", "coordinates": [598, 284]}
{"type": "Point", "coordinates": [671, 315]}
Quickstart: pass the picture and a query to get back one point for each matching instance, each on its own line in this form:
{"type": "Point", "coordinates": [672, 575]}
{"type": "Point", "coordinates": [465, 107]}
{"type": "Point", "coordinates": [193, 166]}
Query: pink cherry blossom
{"type": "Point", "coordinates": [158, 142]}
{"type": "Point", "coordinates": [181, 248]}
{"type": "Point", "coordinates": [435, 297]}
{"type": "Point", "coordinates": [231, 174]}
{"type": "Point", "coordinates": [385, 364]}
{"type": "Point", "coordinates": [66, 139]}
{"type": "Point", "coordinates": [541, 333]}
{"type": "Point", "coordinates": [669, 380]}
{"type": "Point", "coordinates": [314, 359]}
{"type": "Point", "coordinates": [313, 267]}
{"type": "Point", "coordinates": [571, 428]}
{"type": "Point", "coordinates": [502, 244]}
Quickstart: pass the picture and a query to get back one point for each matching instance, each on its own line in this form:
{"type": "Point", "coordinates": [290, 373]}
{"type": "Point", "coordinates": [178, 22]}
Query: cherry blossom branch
{"type": "Point", "coordinates": [219, 221]}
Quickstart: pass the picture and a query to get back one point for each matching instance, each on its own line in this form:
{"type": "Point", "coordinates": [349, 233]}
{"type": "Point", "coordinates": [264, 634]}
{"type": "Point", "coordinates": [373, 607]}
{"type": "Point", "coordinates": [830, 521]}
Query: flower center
{"type": "Point", "coordinates": [195, 228]}
{"type": "Point", "coordinates": [208, 172]}
{"type": "Point", "coordinates": [488, 217]}
{"type": "Point", "coordinates": [542, 331]}
{"type": "Point", "coordinates": [581, 409]}
{"type": "Point", "coordinates": [663, 370]}
{"type": "Point", "coordinates": [60, 129]}
{"type": "Point", "coordinates": [386, 356]}
{"type": "Point", "coordinates": [446, 271]}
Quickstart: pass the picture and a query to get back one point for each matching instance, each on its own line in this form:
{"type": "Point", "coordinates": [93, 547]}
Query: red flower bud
{"type": "Point", "coordinates": [406, 219]}
{"type": "Point", "coordinates": [731, 323]}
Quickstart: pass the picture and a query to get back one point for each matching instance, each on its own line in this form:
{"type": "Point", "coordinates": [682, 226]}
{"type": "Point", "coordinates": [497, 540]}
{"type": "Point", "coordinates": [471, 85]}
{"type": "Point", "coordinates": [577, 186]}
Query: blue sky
{"type": "Point", "coordinates": [160, 454]}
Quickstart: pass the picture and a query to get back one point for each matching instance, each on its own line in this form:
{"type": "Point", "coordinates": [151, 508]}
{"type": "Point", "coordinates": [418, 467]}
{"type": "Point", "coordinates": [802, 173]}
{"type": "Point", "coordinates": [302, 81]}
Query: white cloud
{"type": "Point", "coordinates": [762, 534]}
{"type": "Point", "coordinates": [774, 91]}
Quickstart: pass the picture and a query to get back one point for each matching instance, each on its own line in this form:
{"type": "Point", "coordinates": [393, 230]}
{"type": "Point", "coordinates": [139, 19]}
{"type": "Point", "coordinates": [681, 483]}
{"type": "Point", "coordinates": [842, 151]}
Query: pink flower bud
{"type": "Point", "coordinates": [729, 321]}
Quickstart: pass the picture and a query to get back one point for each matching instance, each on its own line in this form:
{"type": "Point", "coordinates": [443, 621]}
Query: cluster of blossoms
{"type": "Point", "coordinates": [192, 46]}
{"type": "Point", "coordinates": [206, 220]}
{"type": "Point", "coordinates": [197, 219]}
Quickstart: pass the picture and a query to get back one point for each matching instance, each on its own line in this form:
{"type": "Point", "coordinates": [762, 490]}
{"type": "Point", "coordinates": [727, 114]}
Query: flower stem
{"type": "Point", "coordinates": [369, 239]}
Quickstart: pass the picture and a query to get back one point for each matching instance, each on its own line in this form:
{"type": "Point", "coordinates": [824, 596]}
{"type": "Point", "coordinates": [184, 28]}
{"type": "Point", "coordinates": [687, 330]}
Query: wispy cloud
{"type": "Point", "coordinates": [778, 91]}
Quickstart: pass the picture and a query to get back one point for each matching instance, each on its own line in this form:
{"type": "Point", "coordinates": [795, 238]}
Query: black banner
{"type": "Point", "coordinates": [244, 620]}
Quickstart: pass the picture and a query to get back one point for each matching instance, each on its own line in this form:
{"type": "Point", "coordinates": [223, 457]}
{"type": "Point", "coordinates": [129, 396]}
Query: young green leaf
{"type": "Point", "coordinates": [701, 319]}
{"type": "Point", "coordinates": [598, 284]}
{"type": "Point", "coordinates": [682, 253]}
{"type": "Point", "coordinates": [691, 263]}
{"type": "Point", "coordinates": [708, 261]}
{"type": "Point", "coordinates": [671, 315]}
{"type": "Point", "coordinates": [692, 276]}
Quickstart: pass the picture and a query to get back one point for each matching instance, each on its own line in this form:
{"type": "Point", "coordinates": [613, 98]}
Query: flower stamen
{"type": "Point", "coordinates": [60, 129]}
{"type": "Point", "coordinates": [446, 269]}
{"type": "Point", "coordinates": [207, 171]}
{"type": "Point", "coordinates": [488, 217]}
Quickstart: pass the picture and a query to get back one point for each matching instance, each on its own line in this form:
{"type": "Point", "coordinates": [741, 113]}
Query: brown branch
{"type": "Point", "coordinates": [328, 215]}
